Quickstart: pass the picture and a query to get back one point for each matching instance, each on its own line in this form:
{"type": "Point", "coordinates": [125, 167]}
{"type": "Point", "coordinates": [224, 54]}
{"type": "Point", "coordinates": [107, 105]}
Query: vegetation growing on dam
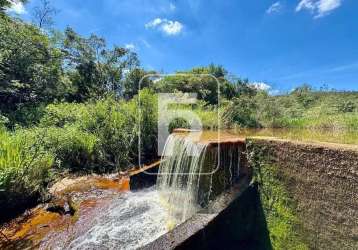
{"type": "Point", "coordinates": [280, 211]}
{"type": "Point", "coordinates": [70, 104]}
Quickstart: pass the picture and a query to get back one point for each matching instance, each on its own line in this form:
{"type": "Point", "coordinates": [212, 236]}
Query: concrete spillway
{"type": "Point", "coordinates": [265, 193]}
{"type": "Point", "coordinates": [188, 183]}
{"type": "Point", "coordinates": [192, 174]}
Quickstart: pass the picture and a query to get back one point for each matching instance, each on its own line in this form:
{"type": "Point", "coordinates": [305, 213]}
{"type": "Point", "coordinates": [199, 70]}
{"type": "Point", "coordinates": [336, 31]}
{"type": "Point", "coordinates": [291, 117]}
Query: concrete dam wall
{"type": "Point", "coordinates": [314, 187]}
{"type": "Point", "coordinates": [292, 195]}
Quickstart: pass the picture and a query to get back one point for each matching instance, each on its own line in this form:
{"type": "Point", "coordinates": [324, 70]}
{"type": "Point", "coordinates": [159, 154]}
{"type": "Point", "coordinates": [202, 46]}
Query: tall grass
{"type": "Point", "coordinates": [101, 135]}
{"type": "Point", "coordinates": [24, 168]}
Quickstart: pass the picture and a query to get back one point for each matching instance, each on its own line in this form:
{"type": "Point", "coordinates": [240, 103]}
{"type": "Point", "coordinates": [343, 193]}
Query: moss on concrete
{"type": "Point", "coordinates": [283, 224]}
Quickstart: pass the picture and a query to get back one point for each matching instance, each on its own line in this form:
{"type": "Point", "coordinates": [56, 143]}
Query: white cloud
{"type": "Point", "coordinates": [305, 4]}
{"type": "Point", "coordinates": [155, 22]}
{"type": "Point", "coordinates": [260, 86]}
{"type": "Point", "coordinates": [319, 8]}
{"type": "Point", "coordinates": [274, 8]}
{"type": "Point", "coordinates": [172, 7]}
{"type": "Point", "coordinates": [146, 43]}
{"type": "Point", "coordinates": [172, 27]}
{"type": "Point", "coordinates": [130, 46]}
{"type": "Point", "coordinates": [168, 27]}
{"type": "Point", "coordinates": [17, 7]}
{"type": "Point", "coordinates": [352, 66]}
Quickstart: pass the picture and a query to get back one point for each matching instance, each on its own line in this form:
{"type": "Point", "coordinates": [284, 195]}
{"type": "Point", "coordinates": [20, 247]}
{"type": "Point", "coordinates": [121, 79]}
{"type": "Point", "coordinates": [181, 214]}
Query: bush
{"type": "Point", "coordinates": [241, 111]}
{"type": "Point", "coordinates": [102, 135]}
{"type": "Point", "coordinates": [346, 107]}
{"type": "Point", "coordinates": [24, 168]}
{"type": "Point", "coordinates": [64, 113]}
{"type": "Point", "coordinates": [73, 148]}
{"type": "Point", "coordinates": [178, 123]}
{"type": "Point", "coordinates": [3, 121]}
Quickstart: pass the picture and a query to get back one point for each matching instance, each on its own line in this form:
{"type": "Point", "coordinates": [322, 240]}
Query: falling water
{"type": "Point", "coordinates": [191, 173]}
{"type": "Point", "coordinates": [178, 179]}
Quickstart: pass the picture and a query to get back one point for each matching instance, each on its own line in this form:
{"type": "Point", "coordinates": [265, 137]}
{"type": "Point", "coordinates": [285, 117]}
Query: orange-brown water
{"type": "Point", "coordinates": [41, 226]}
{"type": "Point", "coordinates": [305, 135]}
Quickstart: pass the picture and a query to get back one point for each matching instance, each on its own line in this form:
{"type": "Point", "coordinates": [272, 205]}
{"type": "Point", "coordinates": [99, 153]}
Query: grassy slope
{"type": "Point", "coordinates": [324, 112]}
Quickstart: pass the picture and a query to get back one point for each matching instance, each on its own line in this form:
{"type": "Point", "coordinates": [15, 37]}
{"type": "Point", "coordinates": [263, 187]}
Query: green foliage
{"type": "Point", "coordinates": [241, 111]}
{"type": "Point", "coordinates": [24, 167]}
{"type": "Point", "coordinates": [208, 82]}
{"type": "Point", "coordinates": [3, 121]}
{"type": "Point", "coordinates": [65, 113]}
{"type": "Point", "coordinates": [74, 149]}
{"type": "Point", "coordinates": [304, 95]}
{"type": "Point", "coordinates": [95, 69]}
{"type": "Point", "coordinates": [134, 79]}
{"type": "Point", "coordinates": [30, 70]}
{"type": "Point", "coordinates": [178, 123]}
{"type": "Point", "coordinates": [102, 135]}
{"type": "Point", "coordinates": [4, 4]}
{"type": "Point", "coordinates": [347, 107]}
{"type": "Point", "coordinates": [280, 210]}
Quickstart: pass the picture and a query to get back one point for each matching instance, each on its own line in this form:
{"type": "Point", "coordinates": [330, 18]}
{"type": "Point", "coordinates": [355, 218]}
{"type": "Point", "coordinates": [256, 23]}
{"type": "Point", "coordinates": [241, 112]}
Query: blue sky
{"type": "Point", "coordinates": [283, 43]}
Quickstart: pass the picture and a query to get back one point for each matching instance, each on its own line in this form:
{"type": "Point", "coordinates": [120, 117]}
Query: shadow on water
{"type": "Point", "coordinates": [18, 244]}
{"type": "Point", "coordinates": [241, 226]}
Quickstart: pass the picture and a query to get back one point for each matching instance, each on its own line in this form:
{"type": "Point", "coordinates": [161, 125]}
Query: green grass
{"type": "Point", "coordinates": [24, 168]}
{"type": "Point", "coordinates": [324, 110]}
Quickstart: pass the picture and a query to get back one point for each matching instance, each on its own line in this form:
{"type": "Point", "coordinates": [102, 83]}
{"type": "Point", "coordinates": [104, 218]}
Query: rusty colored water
{"type": "Point", "coordinates": [305, 135]}
{"type": "Point", "coordinates": [211, 137]}
{"type": "Point", "coordinates": [39, 228]}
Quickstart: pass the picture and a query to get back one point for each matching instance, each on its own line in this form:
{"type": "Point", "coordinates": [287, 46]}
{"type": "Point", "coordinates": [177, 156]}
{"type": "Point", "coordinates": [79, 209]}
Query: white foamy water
{"type": "Point", "coordinates": [132, 220]}
{"type": "Point", "coordinates": [179, 176]}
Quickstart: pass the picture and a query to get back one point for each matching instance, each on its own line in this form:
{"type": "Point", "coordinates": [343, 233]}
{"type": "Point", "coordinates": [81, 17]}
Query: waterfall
{"type": "Point", "coordinates": [178, 177]}
{"type": "Point", "coordinates": [192, 173]}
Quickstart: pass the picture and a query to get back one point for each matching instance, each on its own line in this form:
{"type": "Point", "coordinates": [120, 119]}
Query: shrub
{"type": "Point", "coordinates": [178, 123]}
{"type": "Point", "coordinates": [24, 168]}
{"type": "Point", "coordinates": [63, 113]}
{"type": "Point", "coordinates": [241, 111]}
{"type": "Point", "coordinates": [346, 107]}
{"type": "Point", "coordinates": [73, 148]}
{"type": "Point", "coordinates": [3, 122]}
{"type": "Point", "coordinates": [102, 135]}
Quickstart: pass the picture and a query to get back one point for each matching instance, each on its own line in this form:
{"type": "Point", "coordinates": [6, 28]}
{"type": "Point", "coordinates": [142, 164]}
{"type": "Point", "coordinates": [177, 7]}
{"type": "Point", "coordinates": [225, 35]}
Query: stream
{"type": "Point", "coordinates": [130, 221]}
{"type": "Point", "coordinates": [109, 216]}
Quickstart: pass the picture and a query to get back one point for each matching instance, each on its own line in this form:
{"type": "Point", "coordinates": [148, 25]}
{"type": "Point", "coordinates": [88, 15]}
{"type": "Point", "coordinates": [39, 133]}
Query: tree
{"type": "Point", "coordinates": [43, 14]}
{"type": "Point", "coordinates": [94, 69]}
{"type": "Point", "coordinates": [133, 79]}
{"type": "Point", "coordinates": [30, 69]}
{"type": "Point", "coordinates": [4, 4]}
{"type": "Point", "coordinates": [209, 83]}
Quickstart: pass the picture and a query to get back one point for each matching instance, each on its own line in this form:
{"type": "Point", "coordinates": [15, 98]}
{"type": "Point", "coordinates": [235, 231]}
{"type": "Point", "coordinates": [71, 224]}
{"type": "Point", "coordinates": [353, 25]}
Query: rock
{"type": "Point", "coordinates": [55, 208]}
{"type": "Point", "coordinates": [70, 207]}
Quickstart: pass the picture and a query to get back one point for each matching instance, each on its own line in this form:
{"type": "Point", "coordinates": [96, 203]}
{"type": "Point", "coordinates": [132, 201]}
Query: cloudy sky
{"type": "Point", "coordinates": [283, 43]}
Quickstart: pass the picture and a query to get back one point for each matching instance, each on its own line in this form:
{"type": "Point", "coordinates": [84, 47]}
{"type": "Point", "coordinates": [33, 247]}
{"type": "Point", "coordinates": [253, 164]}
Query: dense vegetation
{"type": "Point", "coordinates": [71, 104]}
